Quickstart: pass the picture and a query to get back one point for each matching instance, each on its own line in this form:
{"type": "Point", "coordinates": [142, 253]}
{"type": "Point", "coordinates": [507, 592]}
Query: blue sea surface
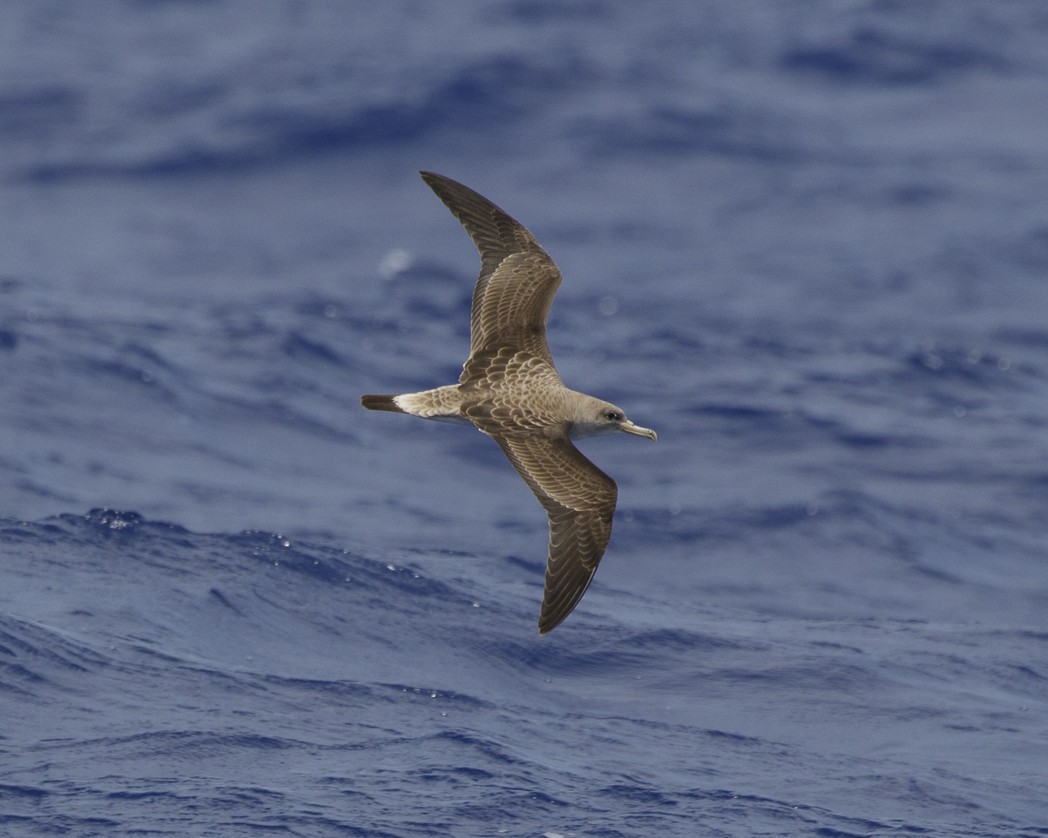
{"type": "Point", "coordinates": [807, 242]}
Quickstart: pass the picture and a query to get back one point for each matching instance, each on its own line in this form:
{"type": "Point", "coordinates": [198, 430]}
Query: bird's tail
{"type": "Point", "coordinates": [381, 403]}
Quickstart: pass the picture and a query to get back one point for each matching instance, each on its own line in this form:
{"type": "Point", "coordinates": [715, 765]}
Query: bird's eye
{"type": "Point", "coordinates": [613, 415]}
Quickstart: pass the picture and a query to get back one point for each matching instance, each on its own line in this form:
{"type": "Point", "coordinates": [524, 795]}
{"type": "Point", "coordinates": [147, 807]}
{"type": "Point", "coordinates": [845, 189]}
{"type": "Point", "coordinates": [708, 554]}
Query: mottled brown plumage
{"type": "Point", "coordinates": [510, 390]}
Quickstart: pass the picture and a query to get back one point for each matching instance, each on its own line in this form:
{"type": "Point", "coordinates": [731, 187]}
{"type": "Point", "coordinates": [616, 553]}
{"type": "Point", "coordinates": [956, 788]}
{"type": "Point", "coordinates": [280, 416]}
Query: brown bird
{"type": "Point", "coordinates": [510, 390]}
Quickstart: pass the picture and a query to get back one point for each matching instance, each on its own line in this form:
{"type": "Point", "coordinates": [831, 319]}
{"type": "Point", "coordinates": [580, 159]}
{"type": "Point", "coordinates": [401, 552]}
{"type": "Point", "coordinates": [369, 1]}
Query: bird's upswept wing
{"type": "Point", "coordinates": [517, 279]}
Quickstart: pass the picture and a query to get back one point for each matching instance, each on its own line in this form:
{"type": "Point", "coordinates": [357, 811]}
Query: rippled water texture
{"type": "Point", "coordinates": [806, 242]}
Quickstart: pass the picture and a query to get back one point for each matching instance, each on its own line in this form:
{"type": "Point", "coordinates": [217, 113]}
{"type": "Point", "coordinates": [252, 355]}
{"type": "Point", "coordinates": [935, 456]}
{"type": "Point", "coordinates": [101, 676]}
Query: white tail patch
{"type": "Point", "coordinates": [441, 404]}
{"type": "Point", "coordinates": [416, 404]}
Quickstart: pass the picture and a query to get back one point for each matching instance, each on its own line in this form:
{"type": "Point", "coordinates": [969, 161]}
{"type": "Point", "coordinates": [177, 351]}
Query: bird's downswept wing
{"type": "Point", "coordinates": [580, 501]}
{"type": "Point", "coordinates": [517, 279]}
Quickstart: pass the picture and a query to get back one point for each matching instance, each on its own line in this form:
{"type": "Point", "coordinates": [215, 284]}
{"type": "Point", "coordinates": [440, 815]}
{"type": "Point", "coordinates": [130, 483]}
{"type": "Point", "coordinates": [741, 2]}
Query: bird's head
{"type": "Point", "coordinates": [599, 417]}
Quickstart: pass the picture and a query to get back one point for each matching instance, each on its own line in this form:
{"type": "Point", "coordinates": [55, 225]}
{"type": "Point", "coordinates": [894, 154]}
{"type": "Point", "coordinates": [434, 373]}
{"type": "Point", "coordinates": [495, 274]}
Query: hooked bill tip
{"type": "Point", "coordinates": [637, 430]}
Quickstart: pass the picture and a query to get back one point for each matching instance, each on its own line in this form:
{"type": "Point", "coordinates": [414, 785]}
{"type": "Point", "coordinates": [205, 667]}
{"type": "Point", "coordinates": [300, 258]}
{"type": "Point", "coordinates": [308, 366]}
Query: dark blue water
{"type": "Point", "coordinates": [806, 242]}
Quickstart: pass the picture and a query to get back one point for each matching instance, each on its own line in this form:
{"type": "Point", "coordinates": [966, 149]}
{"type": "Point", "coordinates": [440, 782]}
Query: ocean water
{"type": "Point", "coordinates": [807, 242]}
